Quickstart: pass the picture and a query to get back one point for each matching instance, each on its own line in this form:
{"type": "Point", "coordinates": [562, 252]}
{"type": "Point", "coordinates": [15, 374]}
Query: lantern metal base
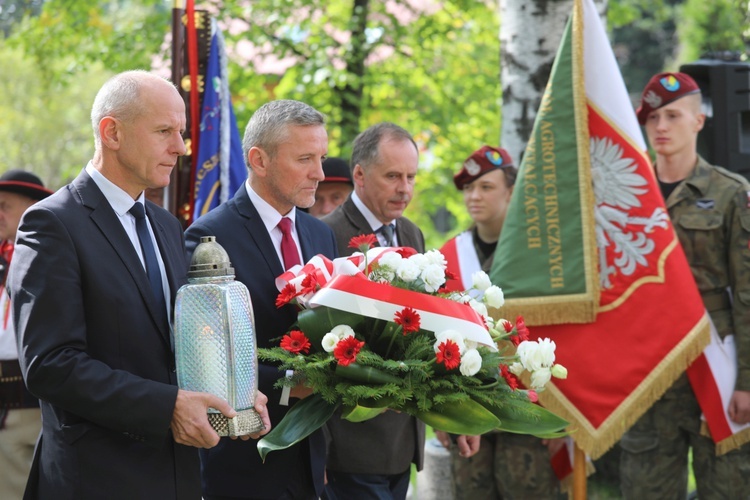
{"type": "Point", "coordinates": [246, 422]}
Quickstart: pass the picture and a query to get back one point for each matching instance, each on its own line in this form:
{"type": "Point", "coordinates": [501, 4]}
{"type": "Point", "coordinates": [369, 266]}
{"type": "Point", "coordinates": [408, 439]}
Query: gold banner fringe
{"type": "Point", "coordinates": [731, 443]}
{"type": "Point", "coordinates": [544, 311]}
{"type": "Point", "coordinates": [596, 441]}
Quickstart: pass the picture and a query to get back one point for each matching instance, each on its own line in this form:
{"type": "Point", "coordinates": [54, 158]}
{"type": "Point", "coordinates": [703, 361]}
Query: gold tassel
{"type": "Point", "coordinates": [595, 442]}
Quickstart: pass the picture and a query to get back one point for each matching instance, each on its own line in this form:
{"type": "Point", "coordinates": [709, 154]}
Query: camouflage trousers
{"type": "Point", "coordinates": [654, 461]}
{"type": "Point", "coordinates": [507, 466]}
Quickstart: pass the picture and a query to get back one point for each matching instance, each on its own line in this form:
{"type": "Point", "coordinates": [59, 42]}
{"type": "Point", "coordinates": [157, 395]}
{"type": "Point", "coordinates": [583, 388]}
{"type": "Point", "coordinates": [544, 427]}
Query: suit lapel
{"type": "Point", "coordinates": [305, 236]}
{"type": "Point", "coordinates": [104, 217]}
{"type": "Point", "coordinates": [257, 230]}
{"type": "Point", "coordinates": [356, 218]}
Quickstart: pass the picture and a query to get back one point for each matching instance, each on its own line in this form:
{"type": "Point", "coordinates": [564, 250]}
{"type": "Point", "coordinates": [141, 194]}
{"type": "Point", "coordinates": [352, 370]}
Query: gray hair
{"type": "Point", "coordinates": [268, 126]}
{"type": "Point", "coordinates": [365, 150]}
{"type": "Point", "coordinates": [119, 97]}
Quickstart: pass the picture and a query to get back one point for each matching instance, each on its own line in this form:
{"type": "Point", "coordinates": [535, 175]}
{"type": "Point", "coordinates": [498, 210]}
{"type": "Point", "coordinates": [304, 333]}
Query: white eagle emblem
{"type": "Point", "coordinates": [652, 99]}
{"type": "Point", "coordinates": [472, 167]}
{"type": "Point", "coordinates": [617, 186]}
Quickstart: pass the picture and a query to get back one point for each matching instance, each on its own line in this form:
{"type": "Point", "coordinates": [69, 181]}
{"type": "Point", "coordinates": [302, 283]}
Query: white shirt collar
{"type": "Point", "coordinates": [269, 215]}
{"type": "Point", "coordinates": [375, 224]}
{"type": "Point", "coordinates": [120, 201]}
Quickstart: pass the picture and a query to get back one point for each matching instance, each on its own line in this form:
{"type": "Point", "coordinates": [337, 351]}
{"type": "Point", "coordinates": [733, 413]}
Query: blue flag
{"type": "Point", "coordinates": [220, 168]}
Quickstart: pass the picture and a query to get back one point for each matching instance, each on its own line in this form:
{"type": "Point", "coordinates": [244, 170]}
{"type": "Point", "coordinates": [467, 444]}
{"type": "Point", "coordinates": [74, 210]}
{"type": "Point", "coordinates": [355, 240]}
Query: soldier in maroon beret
{"type": "Point", "coordinates": [710, 212]}
{"type": "Point", "coordinates": [488, 466]}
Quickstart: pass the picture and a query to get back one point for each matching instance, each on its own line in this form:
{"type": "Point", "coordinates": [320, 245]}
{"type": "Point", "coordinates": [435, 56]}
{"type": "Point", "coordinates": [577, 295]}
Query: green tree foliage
{"type": "Point", "coordinates": [433, 71]}
{"type": "Point", "coordinates": [644, 38]}
{"type": "Point", "coordinates": [715, 26]}
{"type": "Point", "coordinates": [45, 126]}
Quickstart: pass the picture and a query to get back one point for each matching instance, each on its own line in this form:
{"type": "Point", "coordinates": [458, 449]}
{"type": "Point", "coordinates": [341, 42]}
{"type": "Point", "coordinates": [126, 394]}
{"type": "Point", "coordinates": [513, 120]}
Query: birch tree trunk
{"type": "Point", "coordinates": [530, 33]}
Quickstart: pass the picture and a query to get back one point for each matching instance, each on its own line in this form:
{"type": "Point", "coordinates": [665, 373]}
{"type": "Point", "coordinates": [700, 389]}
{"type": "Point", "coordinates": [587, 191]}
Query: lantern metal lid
{"type": "Point", "coordinates": [210, 260]}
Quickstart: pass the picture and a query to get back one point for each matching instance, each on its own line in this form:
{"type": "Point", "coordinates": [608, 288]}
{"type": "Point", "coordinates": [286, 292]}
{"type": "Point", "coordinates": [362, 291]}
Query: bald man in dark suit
{"type": "Point", "coordinates": [94, 273]}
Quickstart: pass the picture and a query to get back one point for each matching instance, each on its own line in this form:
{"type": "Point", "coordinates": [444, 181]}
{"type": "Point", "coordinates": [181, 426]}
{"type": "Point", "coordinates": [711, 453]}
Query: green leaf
{"type": "Point", "coordinates": [532, 419]}
{"type": "Point", "coordinates": [366, 374]}
{"type": "Point", "coordinates": [366, 408]}
{"type": "Point", "coordinates": [467, 417]}
{"type": "Point", "coordinates": [315, 323]}
{"type": "Point", "coordinates": [304, 418]}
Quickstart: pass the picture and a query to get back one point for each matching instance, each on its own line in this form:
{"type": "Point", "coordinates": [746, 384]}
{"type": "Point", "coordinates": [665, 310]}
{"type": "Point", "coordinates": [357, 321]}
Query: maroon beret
{"type": "Point", "coordinates": [481, 161]}
{"type": "Point", "coordinates": [662, 89]}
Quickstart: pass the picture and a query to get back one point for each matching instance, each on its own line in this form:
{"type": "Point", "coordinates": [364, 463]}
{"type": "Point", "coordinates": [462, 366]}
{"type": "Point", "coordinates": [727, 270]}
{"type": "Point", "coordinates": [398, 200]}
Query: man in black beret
{"type": "Point", "coordinates": [20, 418]}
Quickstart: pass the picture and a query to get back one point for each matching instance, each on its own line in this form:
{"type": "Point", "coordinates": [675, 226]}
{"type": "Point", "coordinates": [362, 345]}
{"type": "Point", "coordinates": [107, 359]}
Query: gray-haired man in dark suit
{"type": "Point", "coordinates": [373, 459]}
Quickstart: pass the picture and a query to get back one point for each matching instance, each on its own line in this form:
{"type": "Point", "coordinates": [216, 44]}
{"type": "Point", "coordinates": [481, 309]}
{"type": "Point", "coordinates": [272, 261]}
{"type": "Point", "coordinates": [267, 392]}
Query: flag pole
{"type": "Point", "coordinates": [171, 198]}
{"type": "Point", "coordinates": [579, 473]}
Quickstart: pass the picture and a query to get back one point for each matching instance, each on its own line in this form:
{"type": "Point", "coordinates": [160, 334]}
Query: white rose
{"type": "Point", "coordinates": [436, 258]}
{"type": "Point", "coordinates": [490, 321]}
{"type": "Point", "coordinates": [559, 371]}
{"type": "Point", "coordinates": [329, 341]}
{"type": "Point", "coordinates": [391, 260]}
{"type": "Point", "coordinates": [407, 271]}
{"type": "Point", "coordinates": [418, 260]}
{"type": "Point", "coordinates": [480, 281]}
{"type": "Point", "coordinates": [450, 335]}
{"type": "Point", "coordinates": [516, 369]}
{"type": "Point", "coordinates": [433, 277]}
{"type": "Point", "coordinates": [494, 297]}
{"type": "Point", "coordinates": [342, 331]}
{"type": "Point", "coordinates": [539, 378]}
{"type": "Point", "coordinates": [480, 308]}
{"type": "Point", "coordinates": [471, 362]}
{"type": "Point", "coordinates": [547, 352]}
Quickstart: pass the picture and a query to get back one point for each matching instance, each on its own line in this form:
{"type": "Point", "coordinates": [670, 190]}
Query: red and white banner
{"type": "Point", "coordinates": [712, 376]}
{"type": "Point", "coordinates": [650, 323]}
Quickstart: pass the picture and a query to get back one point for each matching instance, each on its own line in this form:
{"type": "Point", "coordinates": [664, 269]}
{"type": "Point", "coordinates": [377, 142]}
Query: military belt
{"type": "Point", "coordinates": [716, 301]}
{"type": "Point", "coordinates": [13, 392]}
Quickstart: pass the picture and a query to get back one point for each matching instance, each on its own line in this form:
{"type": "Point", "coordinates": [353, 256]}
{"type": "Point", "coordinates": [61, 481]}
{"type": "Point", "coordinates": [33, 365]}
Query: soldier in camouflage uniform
{"type": "Point", "coordinates": [709, 209]}
{"type": "Point", "coordinates": [508, 466]}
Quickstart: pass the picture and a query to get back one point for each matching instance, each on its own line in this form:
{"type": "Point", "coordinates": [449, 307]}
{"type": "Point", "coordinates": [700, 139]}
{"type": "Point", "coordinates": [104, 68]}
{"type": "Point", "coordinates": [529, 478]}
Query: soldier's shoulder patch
{"type": "Point", "coordinates": [707, 204]}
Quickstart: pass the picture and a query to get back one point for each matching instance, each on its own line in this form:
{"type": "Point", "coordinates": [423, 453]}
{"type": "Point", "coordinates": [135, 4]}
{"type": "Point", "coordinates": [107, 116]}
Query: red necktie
{"type": "Point", "coordinates": [288, 248]}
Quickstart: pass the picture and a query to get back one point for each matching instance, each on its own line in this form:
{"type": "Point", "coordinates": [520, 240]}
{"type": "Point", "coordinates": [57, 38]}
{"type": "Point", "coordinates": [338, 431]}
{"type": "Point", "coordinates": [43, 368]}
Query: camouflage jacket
{"type": "Point", "coordinates": [710, 212]}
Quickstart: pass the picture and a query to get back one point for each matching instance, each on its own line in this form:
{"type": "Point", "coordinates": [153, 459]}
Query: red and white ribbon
{"type": "Point", "coordinates": [345, 287]}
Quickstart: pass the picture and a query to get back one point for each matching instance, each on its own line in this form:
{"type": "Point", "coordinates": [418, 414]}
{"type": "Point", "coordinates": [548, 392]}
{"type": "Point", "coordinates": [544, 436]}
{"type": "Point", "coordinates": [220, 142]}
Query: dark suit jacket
{"type": "Point", "coordinates": [234, 468]}
{"type": "Point", "coordinates": [390, 442]}
{"type": "Point", "coordinates": [95, 354]}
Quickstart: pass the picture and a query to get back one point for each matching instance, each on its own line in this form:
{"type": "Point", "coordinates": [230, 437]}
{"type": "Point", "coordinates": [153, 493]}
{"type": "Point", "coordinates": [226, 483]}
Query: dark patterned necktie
{"type": "Point", "coordinates": [149, 255]}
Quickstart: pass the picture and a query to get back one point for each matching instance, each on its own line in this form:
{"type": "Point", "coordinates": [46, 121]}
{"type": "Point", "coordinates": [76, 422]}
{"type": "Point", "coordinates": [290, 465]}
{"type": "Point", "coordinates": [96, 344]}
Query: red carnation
{"type": "Point", "coordinates": [295, 342]}
{"type": "Point", "coordinates": [406, 252]}
{"type": "Point", "coordinates": [449, 354]}
{"type": "Point", "coordinates": [363, 242]}
{"type": "Point", "coordinates": [507, 326]}
{"type": "Point", "coordinates": [347, 349]}
{"type": "Point", "coordinates": [286, 295]}
{"type": "Point", "coordinates": [450, 275]}
{"type": "Point", "coordinates": [509, 377]}
{"type": "Point", "coordinates": [409, 319]}
{"type": "Point", "coordinates": [309, 284]}
{"type": "Point", "coordinates": [522, 332]}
